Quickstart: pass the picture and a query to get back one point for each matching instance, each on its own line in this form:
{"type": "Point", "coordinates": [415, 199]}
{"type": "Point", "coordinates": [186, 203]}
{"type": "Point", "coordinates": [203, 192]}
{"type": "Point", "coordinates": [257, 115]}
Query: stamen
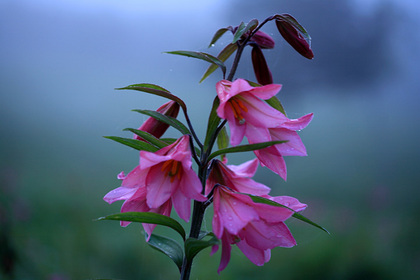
{"type": "Point", "coordinates": [237, 107]}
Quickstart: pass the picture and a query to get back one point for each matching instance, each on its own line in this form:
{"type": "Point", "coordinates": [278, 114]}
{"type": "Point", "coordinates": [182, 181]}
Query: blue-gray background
{"type": "Point", "coordinates": [61, 60]}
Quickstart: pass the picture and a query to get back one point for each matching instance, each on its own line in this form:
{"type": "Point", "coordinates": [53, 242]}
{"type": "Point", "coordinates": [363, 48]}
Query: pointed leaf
{"type": "Point", "coordinates": [219, 34]}
{"type": "Point", "coordinates": [193, 246]}
{"type": "Point", "coordinates": [239, 32]}
{"type": "Point", "coordinates": [223, 140]}
{"type": "Point", "coordinates": [166, 119]}
{"type": "Point", "coordinates": [245, 148]}
{"type": "Point", "coordinates": [134, 143]}
{"type": "Point", "coordinates": [212, 123]}
{"type": "Point", "coordinates": [167, 246]}
{"type": "Point", "coordinates": [148, 137]}
{"type": "Point", "coordinates": [276, 104]}
{"type": "Point", "coordinates": [203, 56]}
{"type": "Point", "coordinates": [223, 56]}
{"type": "Point", "coordinates": [296, 215]}
{"type": "Point", "coordinates": [148, 218]}
{"type": "Point", "coordinates": [156, 90]}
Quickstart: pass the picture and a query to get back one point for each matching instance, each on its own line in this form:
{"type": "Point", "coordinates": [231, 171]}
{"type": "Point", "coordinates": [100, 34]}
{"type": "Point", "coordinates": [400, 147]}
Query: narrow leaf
{"type": "Point", "coordinates": [296, 215]}
{"type": "Point", "coordinates": [203, 56]}
{"type": "Point", "coordinates": [148, 218]}
{"type": "Point", "coordinates": [193, 246]}
{"type": "Point", "coordinates": [223, 56]}
{"type": "Point", "coordinates": [239, 32]}
{"type": "Point", "coordinates": [276, 104]}
{"type": "Point", "coordinates": [219, 34]}
{"type": "Point", "coordinates": [166, 119]}
{"type": "Point", "coordinates": [156, 90]}
{"type": "Point", "coordinates": [134, 143]}
{"type": "Point", "coordinates": [212, 123]}
{"type": "Point", "coordinates": [245, 148]}
{"type": "Point", "coordinates": [169, 247]}
{"type": "Point", "coordinates": [223, 140]}
{"type": "Point", "coordinates": [148, 137]}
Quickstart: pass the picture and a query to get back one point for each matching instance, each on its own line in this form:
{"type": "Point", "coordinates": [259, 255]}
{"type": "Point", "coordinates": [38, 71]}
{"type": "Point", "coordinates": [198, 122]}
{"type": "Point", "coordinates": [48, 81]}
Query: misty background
{"type": "Point", "coordinates": [61, 60]}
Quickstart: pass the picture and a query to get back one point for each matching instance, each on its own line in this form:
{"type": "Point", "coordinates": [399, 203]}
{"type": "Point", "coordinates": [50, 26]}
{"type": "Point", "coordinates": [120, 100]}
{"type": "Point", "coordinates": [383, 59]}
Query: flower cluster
{"type": "Point", "coordinates": [244, 213]}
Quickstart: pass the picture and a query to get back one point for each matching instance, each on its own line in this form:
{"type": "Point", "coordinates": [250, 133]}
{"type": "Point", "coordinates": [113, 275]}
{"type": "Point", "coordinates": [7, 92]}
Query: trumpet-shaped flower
{"type": "Point", "coordinates": [242, 104]}
{"type": "Point", "coordinates": [255, 228]}
{"type": "Point", "coordinates": [272, 157]}
{"type": "Point", "coordinates": [236, 177]}
{"type": "Point", "coordinates": [161, 179]}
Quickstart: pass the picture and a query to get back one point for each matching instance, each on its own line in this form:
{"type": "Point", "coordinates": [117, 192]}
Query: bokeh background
{"type": "Point", "coordinates": [61, 60]}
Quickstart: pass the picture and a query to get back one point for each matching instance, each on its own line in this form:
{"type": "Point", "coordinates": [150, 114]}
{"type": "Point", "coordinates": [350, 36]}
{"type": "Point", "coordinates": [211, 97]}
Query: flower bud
{"type": "Point", "coordinates": [263, 40]}
{"type": "Point", "coordinates": [294, 34]}
{"type": "Point", "coordinates": [261, 70]}
{"type": "Point", "coordinates": [158, 128]}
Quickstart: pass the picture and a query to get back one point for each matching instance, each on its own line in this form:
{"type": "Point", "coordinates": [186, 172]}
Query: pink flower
{"type": "Point", "coordinates": [158, 128]}
{"type": "Point", "coordinates": [255, 228]}
{"type": "Point", "coordinates": [236, 178]}
{"type": "Point", "coordinates": [272, 157]}
{"type": "Point", "coordinates": [242, 105]}
{"type": "Point", "coordinates": [161, 179]}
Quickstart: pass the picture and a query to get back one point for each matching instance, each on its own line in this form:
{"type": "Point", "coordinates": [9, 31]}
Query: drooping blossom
{"type": "Point", "coordinates": [242, 104]}
{"type": "Point", "coordinates": [158, 128]}
{"type": "Point", "coordinates": [161, 179]}
{"type": "Point", "coordinates": [272, 157]}
{"type": "Point", "coordinates": [255, 228]}
{"type": "Point", "coordinates": [236, 177]}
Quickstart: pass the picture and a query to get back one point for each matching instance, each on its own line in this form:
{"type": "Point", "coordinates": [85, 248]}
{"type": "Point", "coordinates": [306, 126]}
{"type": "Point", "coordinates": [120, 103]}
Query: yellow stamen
{"type": "Point", "coordinates": [172, 168]}
{"type": "Point", "coordinates": [238, 107]}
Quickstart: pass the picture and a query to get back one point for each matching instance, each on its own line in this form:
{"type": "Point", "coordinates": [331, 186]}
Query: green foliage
{"type": "Point", "coordinates": [148, 218]}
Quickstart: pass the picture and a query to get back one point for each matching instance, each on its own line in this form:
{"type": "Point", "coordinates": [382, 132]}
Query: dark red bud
{"type": "Point", "coordinates": [288, 28]}
{"type": "Point", "coordinates": [158, 128]}
{"type": "Point", "coordinates": [263, 40]}
{"type": "Point", "coordinates": [261, 70]}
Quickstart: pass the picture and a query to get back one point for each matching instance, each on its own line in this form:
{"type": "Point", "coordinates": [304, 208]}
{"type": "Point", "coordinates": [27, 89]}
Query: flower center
{"type": "Point", "coordinates": [238, 108]}
{"type": "Point", "coordinates": [172, 169]}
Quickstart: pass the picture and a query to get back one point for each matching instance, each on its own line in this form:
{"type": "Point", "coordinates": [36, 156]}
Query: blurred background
{"type": "Point", "coordinates": [61, 60]}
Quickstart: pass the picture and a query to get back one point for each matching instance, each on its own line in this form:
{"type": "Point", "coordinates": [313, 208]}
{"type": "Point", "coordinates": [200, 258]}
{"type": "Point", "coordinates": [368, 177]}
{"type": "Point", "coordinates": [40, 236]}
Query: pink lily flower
{"type": "Point", "coordinates": [236, 177]}
{"type": "Point", "coordinates": [255, 228]}
{"type": "Point", "coordinates": [161, 179]}
{"type": "Point", "coordinates": [242, 104]}
{"type": "Point", "coordinates": [272, 157]}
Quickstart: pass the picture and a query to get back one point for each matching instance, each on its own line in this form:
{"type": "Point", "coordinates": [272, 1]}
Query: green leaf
{"type": "Point", "coordinates": [167, 246]}
{"type": "Point", "coordinates": [223, 56]}
{"type": "Point", "coordinates": [156, 90]}
{"type": "Point", "coordinates": [134, 143]}
{"type": "Point", "coordinates": [245, 148]}
{"type": "Point", "coordinates": [193, 246]}
{"type": "Point", "coordinates": [239, 32]}
{"type": "Point", "coordinates": [296, 215]}
{"type": "Point", "coordinates": [223, 140]}
{"type": "Point", "coordinates": [203, 56]}
{"type": "Point", "coordinates": [148, 218]}
{"type": "Point", "coordinates": [242, 29]}
{"type": "Point", "coordinates": [166, 119]}
{"type": "Point", "coordinates": [219, 34]}
{"type": "Point", "coordinates": [276, 104]}
{"type": "Point", "coordinates": [148, 137]}
{"type": "Point", "coordinates": [212, 123]}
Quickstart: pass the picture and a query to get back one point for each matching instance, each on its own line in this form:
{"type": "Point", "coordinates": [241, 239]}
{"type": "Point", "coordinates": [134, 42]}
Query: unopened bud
{"type": "Point", "coordinates": [158, 128]}
{"type": "Point", "coordinates": [261, 70]}
{"type": "Point", "coordinates": [294, 34]}
{"type": "Point", "coordinates": [263, 40]}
